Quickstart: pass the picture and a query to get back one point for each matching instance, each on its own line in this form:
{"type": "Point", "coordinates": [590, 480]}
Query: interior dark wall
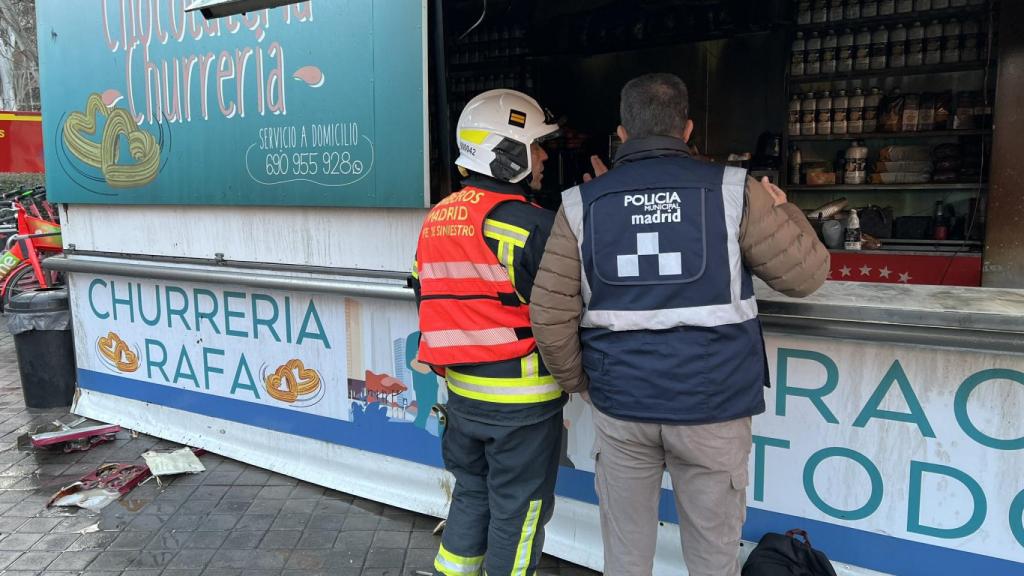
{"type": "Point", "coordinates": [737, 88]}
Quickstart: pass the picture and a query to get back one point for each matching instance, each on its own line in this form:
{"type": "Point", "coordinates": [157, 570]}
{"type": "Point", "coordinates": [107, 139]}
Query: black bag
{"type": "Point", "coordinates": [784, 555]}
{"type": "Point", "coordinates": [876, 221]}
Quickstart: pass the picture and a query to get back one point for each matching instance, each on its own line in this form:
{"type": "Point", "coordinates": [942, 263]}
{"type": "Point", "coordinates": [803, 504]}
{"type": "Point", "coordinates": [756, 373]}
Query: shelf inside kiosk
{"type": "Point", "coordinates": [736, 57]}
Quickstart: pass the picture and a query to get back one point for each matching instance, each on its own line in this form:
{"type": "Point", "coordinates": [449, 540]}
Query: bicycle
{"type": "Point", "coordinates": [32, 239]}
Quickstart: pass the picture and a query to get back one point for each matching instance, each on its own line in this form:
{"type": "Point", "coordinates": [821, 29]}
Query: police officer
{"type": "Point", "coordinates": [478, 253]}
{"type": "Point", "coordinates": [645, 300]}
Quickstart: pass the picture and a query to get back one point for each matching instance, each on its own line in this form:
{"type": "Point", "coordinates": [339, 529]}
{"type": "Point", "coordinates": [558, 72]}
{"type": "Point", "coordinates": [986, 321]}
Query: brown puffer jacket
{"type": "Point", "coordinates": [778, 246]}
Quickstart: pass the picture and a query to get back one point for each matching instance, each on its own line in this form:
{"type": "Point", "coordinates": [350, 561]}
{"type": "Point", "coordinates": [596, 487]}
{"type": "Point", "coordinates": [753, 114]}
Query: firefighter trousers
{"type": "Point", "coordinates": [503, 497]}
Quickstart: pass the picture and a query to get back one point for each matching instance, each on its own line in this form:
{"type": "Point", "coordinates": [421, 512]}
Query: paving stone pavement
{"type": "Point", "coordinates": [232, 520]}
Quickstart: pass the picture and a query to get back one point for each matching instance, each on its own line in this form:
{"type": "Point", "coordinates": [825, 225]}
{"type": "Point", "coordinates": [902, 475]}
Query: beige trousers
{"type": "Point", "coordinates": [708, 466]}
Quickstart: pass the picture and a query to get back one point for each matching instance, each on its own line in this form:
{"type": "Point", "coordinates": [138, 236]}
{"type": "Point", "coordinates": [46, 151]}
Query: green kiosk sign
{"type": "Point", "coordinates": [315, 103]}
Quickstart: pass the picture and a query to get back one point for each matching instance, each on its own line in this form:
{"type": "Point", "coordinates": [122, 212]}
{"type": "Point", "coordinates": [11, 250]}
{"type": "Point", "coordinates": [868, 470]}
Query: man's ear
{"type": "Point", "coordinates": [688, 130]}
{"type": "Point", "coordinates": [621, 132]}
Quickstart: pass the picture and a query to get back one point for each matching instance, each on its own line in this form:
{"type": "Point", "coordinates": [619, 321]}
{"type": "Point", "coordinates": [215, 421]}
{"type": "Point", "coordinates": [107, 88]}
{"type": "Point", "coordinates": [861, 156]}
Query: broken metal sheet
{"type": "Point", "coordinates": [76, 435]}
{"type": "Point", "coordinates": [94, 499]}
{"type": "Point", "coordinates": [181, 461]}
{"type": "Point", "coordinates": [101, 487]}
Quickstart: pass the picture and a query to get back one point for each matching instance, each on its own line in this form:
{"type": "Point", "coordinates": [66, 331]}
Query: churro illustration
{"type": "Point", "coordinates": [104, 155]}
{"type": "Point", "coordinates": [291, 381]}
{"type": "Point", "coordinates": [113, 348]}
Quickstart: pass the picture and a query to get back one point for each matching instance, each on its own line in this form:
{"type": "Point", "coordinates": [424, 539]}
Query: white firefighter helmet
{"type": "Point", "coordinates": [495, 132]}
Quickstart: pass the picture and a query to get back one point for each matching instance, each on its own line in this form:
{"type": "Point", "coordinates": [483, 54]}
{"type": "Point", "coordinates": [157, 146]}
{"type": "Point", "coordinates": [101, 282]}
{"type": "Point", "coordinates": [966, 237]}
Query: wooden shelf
{"type": "Point", "coordinates": [805, 79]}
{"type": "Point", "coordinates": [922, 16]}
{"type": "Point", "coordinates": [891, 135]}
{"type": "Point", "coordinates": [937, 187]}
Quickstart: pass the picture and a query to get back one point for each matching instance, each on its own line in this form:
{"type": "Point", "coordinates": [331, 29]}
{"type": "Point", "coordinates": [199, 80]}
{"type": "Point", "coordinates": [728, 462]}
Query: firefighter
{"type": "Point", "coordinates": [477, 255]}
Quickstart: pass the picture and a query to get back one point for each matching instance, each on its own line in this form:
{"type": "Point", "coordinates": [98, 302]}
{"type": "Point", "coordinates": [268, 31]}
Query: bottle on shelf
{"type": "Point", "coordinates": [808, 115]}
{"type": "Point", "coordinates": [824, 108]}
{"type": "Point", "coordinates": [951, 32]}
{"type": "Point", "coordinates": [940, 4]}
{"type": "Point", "coordinates": [840, 113]}
{"type": "Point", "coordinates": [803, 12]}
{"type": "Point", "coordinates": [871, 103]}
{"type": "Point", "coordinates": [970, 41]}
{"type": "Point", "coordinates": [836, 11]}
{"type": "Point", "coordinates": [904, 6]}
{"type": "Point", "coordinates": [940, 228]}
{"type": "Point", "coordinates": [880, 48]}
{"type": "Point", "coordinates": [855, 116]}
{"type": "Point", "coordinates": [853, 10]}
{"type": "Point", "coordinates": [964, 117]}
{"type": "Point", "coordinates": [933, 43]}
{"type": "Point", "coordinates": [869, 9]}
{"type": "Point", "coordinates": [853, 239]}
{"type": "Point", "coordinates": [886, 7]}
{"type": "Point", "coordinates": [812, 64]}
{"type": "Point", "coordinates": [920, 5]}
{"type": "Point", "coordinates": [819, 15]}
{"type": "Point", "coordinates": [845, 51]}
{"type": "Point", "coordinates": [794, 115]}
{"type": "Point", "coordinates": [797, 56]}
{"type": "Point", "coordinates": [915, 45]}
{"type": "Point", "coordinates": [911, 112]}
{"type": "Point", "coordinates": [898, 47]}
{"type": "Point", "coordinates": [828, 53]}
{"type": "Point", "coordinates": [795, 162]}
{"type": "Point", "coordinates": [926, 116]}
{"type": "Point", "coordinates": [862, 43]}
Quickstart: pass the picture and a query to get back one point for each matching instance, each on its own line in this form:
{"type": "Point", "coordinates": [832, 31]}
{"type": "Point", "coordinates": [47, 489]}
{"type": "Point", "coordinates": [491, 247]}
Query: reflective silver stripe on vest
{"type": "Point", "coordinates": [734, 186]}
{"type": "Point", "coordinates": [572, 205]}
{"type": "Point", "coordinates": [500, 231]}
{"type": "Point", "coordinates": [500, 388]}
{"type": "Point", "coordinates": [488, 337]}
{"type": "Point", "coordinates": [462, 270]}
{"type": "Point", "coordinates": [736, 311]}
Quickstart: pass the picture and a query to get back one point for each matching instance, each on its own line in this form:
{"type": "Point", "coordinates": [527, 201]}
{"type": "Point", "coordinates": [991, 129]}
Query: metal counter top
{"type": "Point", "coordinates": [973, 318]}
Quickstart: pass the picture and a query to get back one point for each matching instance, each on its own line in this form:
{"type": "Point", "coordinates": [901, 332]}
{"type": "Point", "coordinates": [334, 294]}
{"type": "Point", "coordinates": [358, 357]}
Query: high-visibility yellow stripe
{"type": "Point", "coordinates": [504, 231]}
{"type": "Point", "coordinates": [507, 258]}
{"type": "Point", "coordinates": [504, 390]}
{"type": "Point", "coordinates": [530, 365]}
{"type": "Point", "coordinates": [454, 565]}
{"type": "Point", "coordinates": [415, 269]}
{"type": "Point", "coordinates": [20, 118]}
{"type": "Point", "coordinates": [525, 548]}
{"type": "Point", "coordinates": [474, 136]}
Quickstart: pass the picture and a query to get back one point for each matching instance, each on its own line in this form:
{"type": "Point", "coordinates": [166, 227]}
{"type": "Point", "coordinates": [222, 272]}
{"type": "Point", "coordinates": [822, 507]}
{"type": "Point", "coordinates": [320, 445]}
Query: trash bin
{"type": "Point", "coordinates": [40, 321]}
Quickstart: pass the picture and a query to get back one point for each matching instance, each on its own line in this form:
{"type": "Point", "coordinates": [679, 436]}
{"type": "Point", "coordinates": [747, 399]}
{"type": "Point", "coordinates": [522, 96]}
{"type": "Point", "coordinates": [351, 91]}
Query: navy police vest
{"type": "Point", "coordinates": [670, 331]}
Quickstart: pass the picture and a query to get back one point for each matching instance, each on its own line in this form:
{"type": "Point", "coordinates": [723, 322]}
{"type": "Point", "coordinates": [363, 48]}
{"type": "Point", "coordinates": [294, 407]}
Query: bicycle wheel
{"type": "Point", "coordinates": [23, 278]}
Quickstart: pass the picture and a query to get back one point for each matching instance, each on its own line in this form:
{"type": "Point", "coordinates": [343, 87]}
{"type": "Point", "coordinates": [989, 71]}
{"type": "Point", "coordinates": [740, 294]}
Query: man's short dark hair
{"type": "Point", "coordinates": [654, 105]}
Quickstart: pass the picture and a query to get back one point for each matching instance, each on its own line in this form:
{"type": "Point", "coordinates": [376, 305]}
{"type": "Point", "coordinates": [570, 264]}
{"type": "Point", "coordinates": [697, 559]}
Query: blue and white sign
{"type": "Point", "coordinates": [319, 103]}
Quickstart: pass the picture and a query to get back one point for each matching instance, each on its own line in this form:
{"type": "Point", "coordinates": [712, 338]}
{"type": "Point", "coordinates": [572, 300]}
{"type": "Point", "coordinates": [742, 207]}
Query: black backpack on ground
{"type": "Point", "coordinates": [784, 555]}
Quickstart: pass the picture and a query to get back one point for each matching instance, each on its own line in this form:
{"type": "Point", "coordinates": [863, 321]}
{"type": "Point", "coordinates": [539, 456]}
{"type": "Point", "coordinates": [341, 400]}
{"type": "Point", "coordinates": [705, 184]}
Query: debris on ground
{"type": "Point", "coordinates": [101, 487]}
{"type": "Point", "coordinates": [77, 435]}
{"type": "Point", "coordinates": [182, 461]}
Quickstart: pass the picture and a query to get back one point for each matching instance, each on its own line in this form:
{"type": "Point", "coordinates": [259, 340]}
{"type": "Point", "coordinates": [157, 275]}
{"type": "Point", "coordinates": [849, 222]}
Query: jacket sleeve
{"type": "Point", "coordinates": [557, 306]}
{"type": "Point", "coordinates": [779, 246]}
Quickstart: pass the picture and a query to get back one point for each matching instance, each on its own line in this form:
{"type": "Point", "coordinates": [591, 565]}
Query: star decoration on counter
{"type": "Point", "coordinates": [845, 271]}
{"type": "Point", "coordinates": [865, 271]}
{"type": "Point", "coordinates": [884, 272]}
{"type": "Point", "coordinates": [905, 277]}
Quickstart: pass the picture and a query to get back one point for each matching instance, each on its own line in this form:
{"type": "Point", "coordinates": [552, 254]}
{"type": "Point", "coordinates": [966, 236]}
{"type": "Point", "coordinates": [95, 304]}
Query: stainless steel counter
{"type": "Point", "coordinates": [971, 318]}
